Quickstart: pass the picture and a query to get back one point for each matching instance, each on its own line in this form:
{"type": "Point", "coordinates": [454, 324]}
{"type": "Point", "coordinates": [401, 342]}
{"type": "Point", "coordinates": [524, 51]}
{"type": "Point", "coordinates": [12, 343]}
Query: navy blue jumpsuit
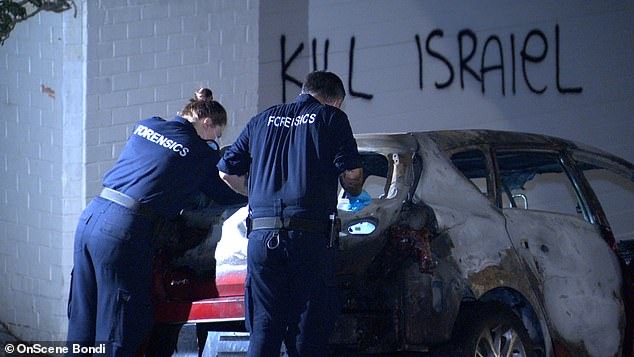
{"type": "Point", "coordinates": [294, 154]}
{"type": "Point", "coordinates": [162, 164]}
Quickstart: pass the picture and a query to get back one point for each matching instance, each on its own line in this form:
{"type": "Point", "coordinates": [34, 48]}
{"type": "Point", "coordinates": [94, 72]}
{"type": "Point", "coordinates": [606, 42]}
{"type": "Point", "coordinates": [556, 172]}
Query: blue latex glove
{"type": "Point", "coordinates": [356, 203]}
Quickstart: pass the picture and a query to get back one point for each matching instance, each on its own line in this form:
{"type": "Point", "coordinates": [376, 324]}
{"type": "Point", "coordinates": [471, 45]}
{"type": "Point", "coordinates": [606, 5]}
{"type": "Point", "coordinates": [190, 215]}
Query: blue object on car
{"type": "Point", "coordinates": [357, 203]}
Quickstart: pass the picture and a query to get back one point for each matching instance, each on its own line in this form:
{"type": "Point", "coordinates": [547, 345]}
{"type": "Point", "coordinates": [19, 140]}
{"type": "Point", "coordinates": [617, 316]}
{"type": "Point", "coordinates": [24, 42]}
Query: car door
{"type": "Point", "coordinates": [611, 181]}
{"type": "Point", "coordinates": [576, 273]}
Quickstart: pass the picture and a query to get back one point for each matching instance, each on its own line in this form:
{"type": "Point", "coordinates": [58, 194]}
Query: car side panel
{"type": "Point", "coordinates": [579, 275]}
{"type": "Point", "coordinates": [472, 235]}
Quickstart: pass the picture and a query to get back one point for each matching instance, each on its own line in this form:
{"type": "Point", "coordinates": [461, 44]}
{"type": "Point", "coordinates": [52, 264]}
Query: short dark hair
{"type": "Point", "coordinates": [326, 85]}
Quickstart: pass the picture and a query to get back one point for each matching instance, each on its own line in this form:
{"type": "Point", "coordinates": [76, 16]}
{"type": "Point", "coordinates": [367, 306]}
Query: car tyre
{"type": "Point", "coordinates": [492, 330]}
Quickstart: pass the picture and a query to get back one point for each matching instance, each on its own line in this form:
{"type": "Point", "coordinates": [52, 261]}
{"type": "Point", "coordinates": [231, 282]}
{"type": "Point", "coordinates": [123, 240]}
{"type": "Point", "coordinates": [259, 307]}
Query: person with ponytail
{"type": "Point", "coordinates": [162, 164]}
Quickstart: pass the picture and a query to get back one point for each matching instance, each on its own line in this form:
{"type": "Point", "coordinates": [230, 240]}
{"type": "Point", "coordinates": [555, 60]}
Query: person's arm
{"type": "Point", "coordinates": [233, 167]}
{"type": "Point", "coordinates": [346, 158]}
{"type": "Point", "coordinates": [352, 181]}
{"type": "Point", "coordinates": [237, 183]}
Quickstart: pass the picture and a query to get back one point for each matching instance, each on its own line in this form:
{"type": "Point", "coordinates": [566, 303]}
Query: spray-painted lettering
{"type": "Point", "coordinates": [494, 57]}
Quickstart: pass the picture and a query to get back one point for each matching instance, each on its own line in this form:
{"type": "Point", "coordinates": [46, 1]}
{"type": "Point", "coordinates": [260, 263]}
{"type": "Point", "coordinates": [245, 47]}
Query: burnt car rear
{"type": "Point", "coordinates": [461, 245]}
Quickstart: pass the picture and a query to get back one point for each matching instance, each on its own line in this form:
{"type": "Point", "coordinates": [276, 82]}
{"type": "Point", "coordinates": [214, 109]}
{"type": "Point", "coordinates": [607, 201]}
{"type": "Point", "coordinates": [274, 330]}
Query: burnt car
{"type": "Point", "coordinates": [476, 242]}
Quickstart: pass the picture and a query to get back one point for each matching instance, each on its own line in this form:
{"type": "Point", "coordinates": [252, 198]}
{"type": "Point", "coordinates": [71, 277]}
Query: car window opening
{"type": "Point", "coordinates": [615, 193]}
{"type": "Point", "coordinates": [473, 166]}
{"type": "Point", "coordinates": [537, 181]}
{"type": "Point", "coordinates": [377, 176]}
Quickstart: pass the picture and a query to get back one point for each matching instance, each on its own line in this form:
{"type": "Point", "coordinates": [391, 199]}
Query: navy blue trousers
{"type": "Point", "coordinates": [290, 294]}
{"type": "Point", "coordinates": [111, 282]}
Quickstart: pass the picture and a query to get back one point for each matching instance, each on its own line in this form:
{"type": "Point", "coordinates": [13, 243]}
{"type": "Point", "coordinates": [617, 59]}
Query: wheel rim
{"type": "Point", "coordinates": [500, 341]}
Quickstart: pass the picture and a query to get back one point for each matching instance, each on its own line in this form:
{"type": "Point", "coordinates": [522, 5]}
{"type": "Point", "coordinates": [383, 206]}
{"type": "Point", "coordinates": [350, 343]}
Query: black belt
{"type": "Point", "coordinates": [126, 201]}
{"type": "Point", "coordinates": [289, 224]}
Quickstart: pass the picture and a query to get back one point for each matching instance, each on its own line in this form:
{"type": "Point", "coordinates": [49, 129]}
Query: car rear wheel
{"type": "Point", "coordinates": [493, 330]}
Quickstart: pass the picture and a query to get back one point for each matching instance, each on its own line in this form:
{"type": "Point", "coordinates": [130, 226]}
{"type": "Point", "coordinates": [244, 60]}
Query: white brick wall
{"type": "Point", "coordinates": [148, 57]}
{"type": "Point", "coordinates": [40, 173]}
{"type": "Point", "coordinates": [117, 62]}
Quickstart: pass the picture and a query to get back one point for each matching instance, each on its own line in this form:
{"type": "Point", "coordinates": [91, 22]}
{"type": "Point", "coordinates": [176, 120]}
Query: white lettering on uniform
{"type": "Point", "coordinates": [279, 121]}
{"type": "Point", "coordinates": [158, 138]}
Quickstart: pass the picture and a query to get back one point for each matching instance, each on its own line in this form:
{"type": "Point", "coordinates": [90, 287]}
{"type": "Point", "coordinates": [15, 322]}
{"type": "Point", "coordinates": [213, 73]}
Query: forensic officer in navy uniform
{"type": "Point", "coordinates": [293, 155]}
{"type": "Point", "coordinates": [162, 164]}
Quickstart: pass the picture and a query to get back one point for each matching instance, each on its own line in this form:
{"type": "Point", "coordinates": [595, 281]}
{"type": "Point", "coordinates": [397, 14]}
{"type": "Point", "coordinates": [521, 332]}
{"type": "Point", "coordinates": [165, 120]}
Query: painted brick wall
{"type": "Point", "coordinates": [594, 55]}
{"type": "Point", "coordinates": [70, 91]}
{"type": "Point", "coordinates": [41, 82]}
{"type": "Point", "coordinates": [148, 57]}
{"type": "Point", "coordinates": [295, 30]}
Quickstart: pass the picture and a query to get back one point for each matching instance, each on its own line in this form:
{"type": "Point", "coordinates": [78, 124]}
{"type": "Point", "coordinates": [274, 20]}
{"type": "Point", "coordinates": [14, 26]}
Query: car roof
{"type": "Point", "coordinates": [392, 142]}
{"type": "Point", "coordinates": [448, 140]}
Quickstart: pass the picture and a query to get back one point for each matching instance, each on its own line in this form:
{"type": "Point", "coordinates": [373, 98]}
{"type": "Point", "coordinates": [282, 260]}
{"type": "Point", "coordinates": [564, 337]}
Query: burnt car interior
{"type": "Point", "coordinates": [537, 181]}
{"type": "Point", "coordinates": [528, 180]}
{"type": "Point", "coordinates": [375, 175]}
{"type": "Point", "coordinates": [473, 165]}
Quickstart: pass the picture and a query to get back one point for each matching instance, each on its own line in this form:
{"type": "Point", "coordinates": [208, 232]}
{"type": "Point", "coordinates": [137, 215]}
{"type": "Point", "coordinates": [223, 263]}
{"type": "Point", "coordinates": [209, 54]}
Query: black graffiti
{"type": "Point", "coordinates": [287, 63]}
{"type": "Point", "coordinates": [558, 68]}
{"type": "Point", "coordinates": [530, 56]}
{"type": "Point", "coordinates": [350, 71]}
{"type": "Point", "coordinates": [437, 55]}
{"type": "Point", "coordinates": [533, 56]}
{"type": "Point", "coordinates": [526, 57]}
{"type": "Point", "coordinates": [420, 61]}
{"type": "Point", "coordinates": [499, 66]}
{"type": "Point", "coordinates": [326, 47]}
{"type": "Point", "coordinates": [464, 61]}
{"type": "Point", "coordinates": [513, 81]}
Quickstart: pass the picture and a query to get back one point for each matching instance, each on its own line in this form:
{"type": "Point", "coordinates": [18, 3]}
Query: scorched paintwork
{"type": "Point", "coordinates": [440, 246]}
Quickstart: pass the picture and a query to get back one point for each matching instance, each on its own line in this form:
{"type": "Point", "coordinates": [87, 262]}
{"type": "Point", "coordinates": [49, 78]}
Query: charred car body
{"type": "Point", "coordinates": [475, 240]}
